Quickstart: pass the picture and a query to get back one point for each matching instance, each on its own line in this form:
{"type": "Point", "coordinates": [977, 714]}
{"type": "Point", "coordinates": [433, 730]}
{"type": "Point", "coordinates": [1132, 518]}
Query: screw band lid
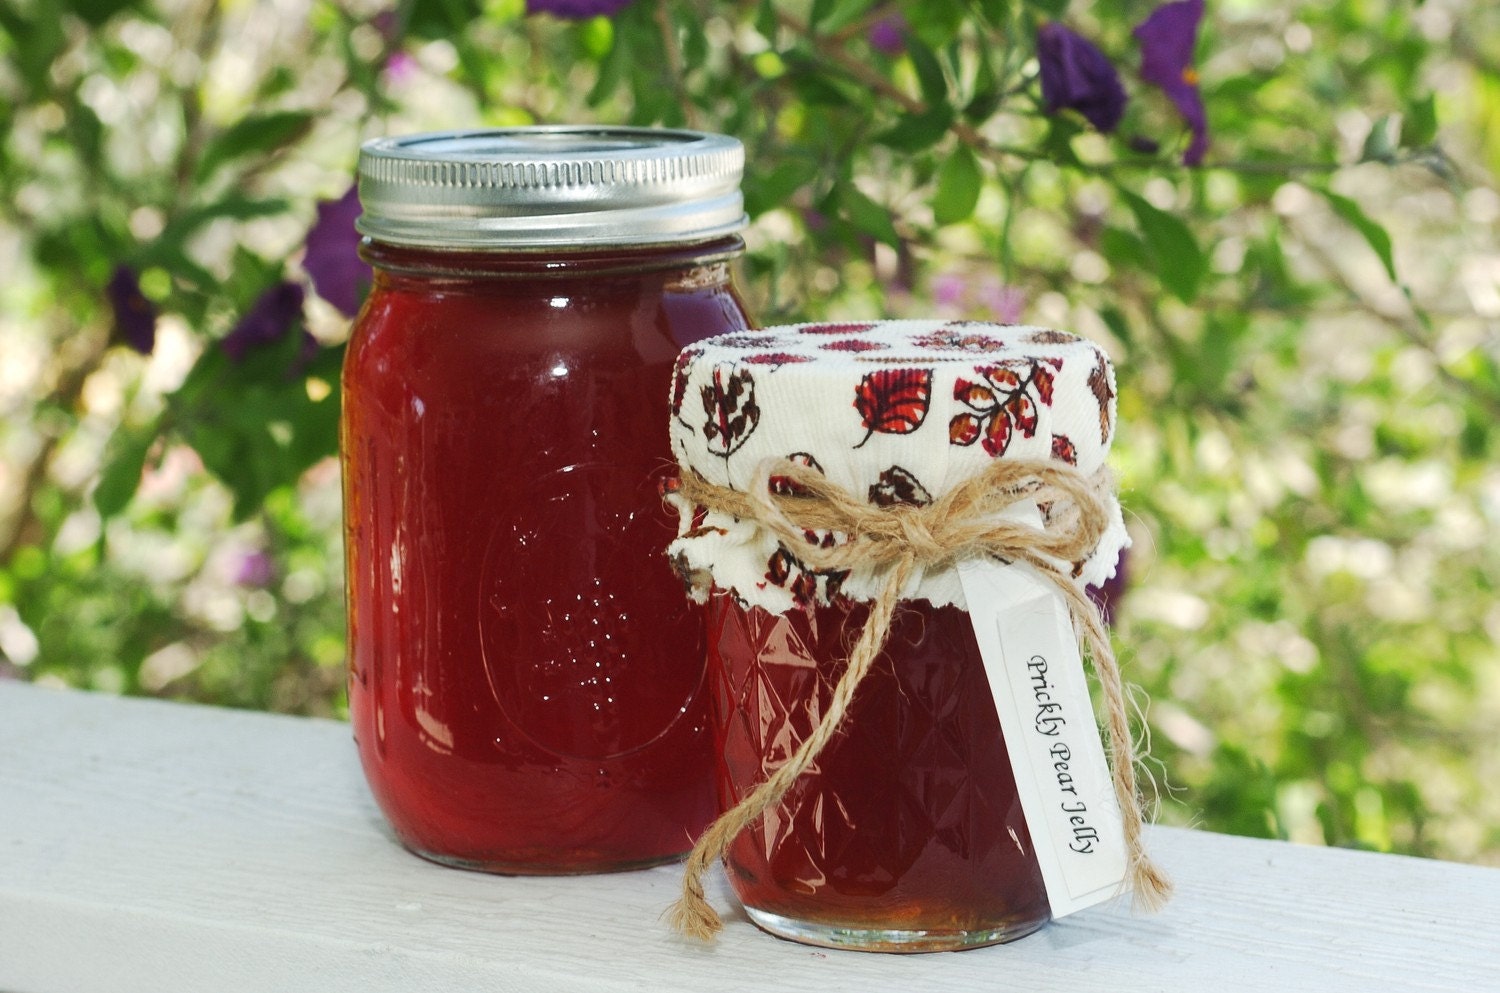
{"type": "Point", "coordinates": [551, 187]}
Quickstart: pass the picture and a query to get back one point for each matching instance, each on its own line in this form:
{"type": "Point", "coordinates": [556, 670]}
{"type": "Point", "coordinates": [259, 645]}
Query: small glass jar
{"type": "Point", "coordinates": [910, 835]}
{"type": "Point", "coordinates": [526, 685]}
{"type": "Point", "coordinates": [906, 833]}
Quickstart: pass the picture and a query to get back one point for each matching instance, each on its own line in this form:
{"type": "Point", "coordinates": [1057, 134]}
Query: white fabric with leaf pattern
{"type": "Point", "coordinates": [895, 411]}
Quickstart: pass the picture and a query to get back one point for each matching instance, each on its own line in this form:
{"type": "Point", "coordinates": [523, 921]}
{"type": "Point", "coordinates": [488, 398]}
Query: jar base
{"type": "Point", "coordinates": [500, 867]}
{"type": "Point", "coordinates": [888, 939]}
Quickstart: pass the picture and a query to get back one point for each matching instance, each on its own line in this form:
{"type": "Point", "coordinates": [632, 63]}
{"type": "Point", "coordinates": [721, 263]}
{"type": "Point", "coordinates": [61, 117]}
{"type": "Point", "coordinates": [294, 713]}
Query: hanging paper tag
{"type": "Point", "coordinates": [1041, 695]}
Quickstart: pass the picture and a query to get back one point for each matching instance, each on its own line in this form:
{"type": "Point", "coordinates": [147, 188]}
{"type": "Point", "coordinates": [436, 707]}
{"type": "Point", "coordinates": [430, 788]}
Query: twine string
{"type": "Point", "coordinates": [897, 541]}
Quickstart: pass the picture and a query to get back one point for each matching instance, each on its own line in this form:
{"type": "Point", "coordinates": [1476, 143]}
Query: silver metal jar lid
{"type": "Point", "coordinates": [551, 187]}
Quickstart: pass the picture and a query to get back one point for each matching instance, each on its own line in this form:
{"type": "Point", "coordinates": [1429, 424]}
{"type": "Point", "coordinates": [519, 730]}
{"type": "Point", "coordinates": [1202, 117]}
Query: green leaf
{"type": "Point", "coordinates": [253, 423]}
{"type": "Point", "coordinates": [503, 12]}
{"type": "Point", "coordinates": [695, 48]}
{"type": "Point", "coordinates": [1378, 146]}
{"type": "Point", "coordinates": [995, 11]}
{"type": "Point", "coordinates": [34, 43]}
{"type": "Point", "coordinates": [596, 37]}
{"type": "Point", "coordinates": [472, 61]}
{"type": "Point", "coordinates": [236, 207]}
{"type": "Point", "coordinates": [818, 91]}
{"type": "Point", "coordinates": [441, 18]}
{"type": "Point", "coordinates": [1052, 8]}
{"type": "Point", "coordinates": [256, 134]}
{"type": "Point", "coordinates": [1241, 794]}
{"type": "Point", "coordinates": [1274, 284]}
{"type": "Point", "coordinates": [814, 85]}
{"type": "Point", "coordinates": [183, 269]}
{"type": "Point", "coordinates": [86, 130]}
{"type": "Point", "coordinates": [96, 12]}
{"type": "Point", "coordinates": [167, 246]}
{"type": "Point", "coordinates": [987, 92]}
{"type": "Point", "coordinates": [614, 67]}
{"type": "Point", "coordinates": [1175, 256]}
{"type": "Point", "coordinates": [929, 72]}
{"type": "Point", "coordinates": [959, 182]}
{"type": "Point", "coordinates": [1058, 142]}
{"type": "Point", "coordinates": [867, 215]}
{"type": "Point", "coordinates": [1119, 326]}
{"type": "Point", "coordinates": [765, 20]}
{"type": "Point", "coordinates": [1219, 347]}
{"type": "Point", "coordinates": [830, 15]}
{"type": "Point", "coordinates": [1375, 236]}
{"type": "Point", "coordinates": [1419, 126]}
{"type": "Point", "coordinates": [917, 132]}
{"type": "Point", "coordinates": [1123, 249]}
{"type": "Point", "coordinates": [122, 476]}
{"type": "Point", "coordinates": [774, 187]}
{"type": "Point", "coordinates": [936, 24]}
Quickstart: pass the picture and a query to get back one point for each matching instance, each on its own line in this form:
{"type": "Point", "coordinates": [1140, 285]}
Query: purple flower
{"type": "Point", "coordinates": [1167, 38]}
{"type": "Point", "coordinates": [1077, 76]}
{"type": "Point", "coordinates": [1005, 303]}
{"type": "Point", "coordinates": [888, 35]}
{"type": "Point", "coordinates": [388, 24]}
{"type": "Point", "coordinates": [948, 289]}
{"type": "Point", "coordinates": [267, 321]}
{"type": "Point", "coordinates": [135, 316]}
{"type": "Point", "coordinates": [338, 273]}
{"type": "Point", "coordinates": [577, 10]}
{"type": "Point", "coordinates": [255, 569]}
{"type": "Point", "coordinates": [1108, 595]}
{"type": "Point", "coordinates": [400, 68]}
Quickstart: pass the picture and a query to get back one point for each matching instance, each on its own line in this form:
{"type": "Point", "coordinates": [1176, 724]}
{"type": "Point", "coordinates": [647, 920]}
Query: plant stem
{"type": "Point", "coordinates": [1412, 330]}
{"type": "Point", "coordinates": [677, 73]}
{"type": "Point", "coordinates": [65, 395]}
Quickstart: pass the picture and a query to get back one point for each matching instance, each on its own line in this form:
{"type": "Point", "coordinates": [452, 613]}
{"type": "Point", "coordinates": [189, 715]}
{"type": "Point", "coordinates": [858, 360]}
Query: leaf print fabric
{"type": "Point", "coordinates": [893, 401]}
{"type": "Point", "coordinates": [1102, 386]}
{"type": "Point", "coordinates": [834, 328]}
{"type": "Point", "coordinates": [853, 345]}
{"type": "Point", "coordinates": [1063, 450]}
{"type": "Point", "coordinates": [680, 378]}
{"type": "Point", "coordinates": [784, 486]}
{"type": "Point", "coordinates": [729, 402]}
{"type": "Point", "coordinates": [960, 339]}
{"type": "Point", "coordinates": [751, 339]}
{"type": "Point", "coordinates": [1002, 403]}
{"type": "Point", "coordinates": [897, 486]}
{"type": "Point", "coordinates": [897, 412]}
{"type": "Point", "coordinates": [807, 586]}
{"type": "Point", "coordinates": [1049, 336]}
{"type": "Point", "coordinates": [775, 358]}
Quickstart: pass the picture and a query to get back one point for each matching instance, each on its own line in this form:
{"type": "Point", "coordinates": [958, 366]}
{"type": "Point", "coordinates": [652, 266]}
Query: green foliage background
{"type": "Point", "coordinates": [1305, 331]}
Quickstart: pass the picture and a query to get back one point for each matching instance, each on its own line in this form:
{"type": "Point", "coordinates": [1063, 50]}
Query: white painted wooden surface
{"type": "Point", "coordinates": [162, 848]}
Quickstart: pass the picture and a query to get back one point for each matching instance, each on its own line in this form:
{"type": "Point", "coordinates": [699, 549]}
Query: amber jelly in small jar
{"type": "Point", "coordinates": [906, 832]}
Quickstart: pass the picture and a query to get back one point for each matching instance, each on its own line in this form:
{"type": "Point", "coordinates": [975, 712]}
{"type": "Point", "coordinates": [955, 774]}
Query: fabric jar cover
{"type": "Point", "coordinates": [894, 411]}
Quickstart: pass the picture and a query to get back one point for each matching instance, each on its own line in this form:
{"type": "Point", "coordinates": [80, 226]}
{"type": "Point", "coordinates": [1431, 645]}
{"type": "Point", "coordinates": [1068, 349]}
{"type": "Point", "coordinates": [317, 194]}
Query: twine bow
{"type": "Point", "coordinates": [962, 524]}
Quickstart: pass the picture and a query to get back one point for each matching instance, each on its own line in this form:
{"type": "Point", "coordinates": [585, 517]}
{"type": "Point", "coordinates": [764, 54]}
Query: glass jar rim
{"type": "Point", "coordinates": [551, 187]}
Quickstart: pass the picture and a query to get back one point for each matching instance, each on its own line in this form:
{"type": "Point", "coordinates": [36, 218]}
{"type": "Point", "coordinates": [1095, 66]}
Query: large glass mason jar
{"type": "Point", "coordinates": [526, 683]}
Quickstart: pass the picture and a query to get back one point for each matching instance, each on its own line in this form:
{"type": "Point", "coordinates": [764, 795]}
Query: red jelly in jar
{"type": "Point", "coordinates": [910, 835]}
{"type": "Point", "coordinates": [905, 832]}
{"type": "Point", "coordinates": [526, 683]}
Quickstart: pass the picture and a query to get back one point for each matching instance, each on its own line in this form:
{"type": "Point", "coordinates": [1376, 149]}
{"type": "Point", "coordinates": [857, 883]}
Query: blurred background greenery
{"type": "Point", "coordinates": [1306, 327]}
